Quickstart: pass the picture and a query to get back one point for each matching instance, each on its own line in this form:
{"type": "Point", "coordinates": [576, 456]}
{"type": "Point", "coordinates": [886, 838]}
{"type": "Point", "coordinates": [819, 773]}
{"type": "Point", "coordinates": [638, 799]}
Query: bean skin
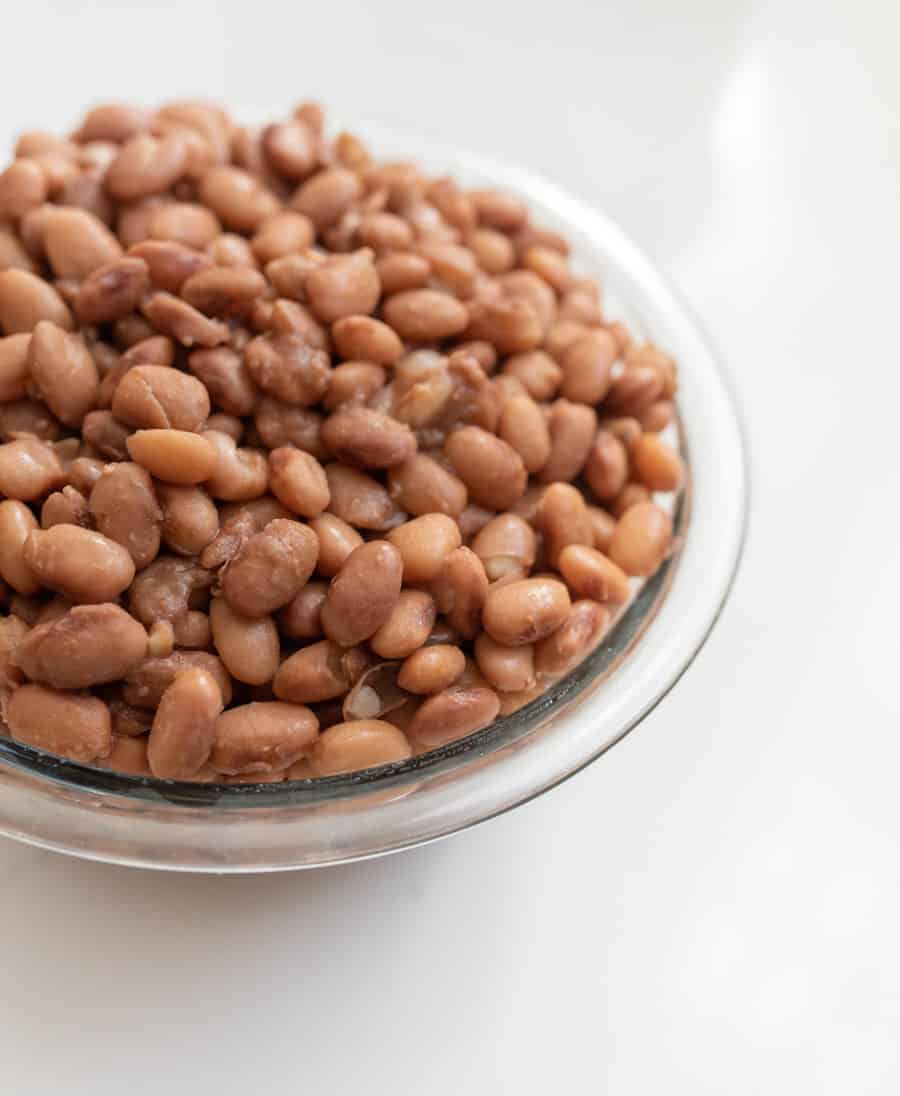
{"type": "Point", "coordinates": [359, 744]}
{"type": "Point", "coordinates": [526, 611]}
{"type": "Point", "coordinates": [452, 714]}
{"type": "Point", "coordinates": [270, 568]}
{"type": "Point", "coordinates": [263, 737]}
{"type": "Point", "coordinates": [184, 727]}
{"type": "Point", "coordinates": [84, 566]}
{"type": "Point", "coordinates": [363, 593]}
{"type": "Point", "coordinates": [72, 726]}
{"type": "Point", "coordinates": [248, 646]}
{"type": "Point", "coordinates": [642, 540]}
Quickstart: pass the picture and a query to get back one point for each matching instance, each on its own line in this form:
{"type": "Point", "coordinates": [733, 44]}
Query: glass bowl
{"type": "Point", "coordinates": [151, 823]}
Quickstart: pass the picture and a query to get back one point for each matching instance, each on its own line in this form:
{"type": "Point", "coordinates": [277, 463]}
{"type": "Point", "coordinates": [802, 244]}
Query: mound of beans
{"type": "Point", "coordinates": [308, 463]}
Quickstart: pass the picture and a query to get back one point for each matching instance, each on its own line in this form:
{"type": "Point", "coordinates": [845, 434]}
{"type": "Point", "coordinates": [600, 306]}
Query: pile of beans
{"type": "Point", "coordinates": [308, 463]}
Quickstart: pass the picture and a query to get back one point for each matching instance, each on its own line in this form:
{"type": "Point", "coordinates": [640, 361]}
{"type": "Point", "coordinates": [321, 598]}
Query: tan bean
{"type": "Point", "coordinates": [84, 646]}
{"type": "Point", "coordinates": [189, 518]}
{"type": "Point", "coordinates": [634, 390]}
{"type": "Point", "coordinates": [124, 508]}
{"type": "Point", "coordinates": [112, 291]}
{"type": "Point", "coordinates": [420, 485]}
{"type": "Point", "coordinates": [127, 755]}
{"type": "Point", "coordinates": [582, 307]}
{"type": "Point", "coordinates": [26, 299]}
{"type": "Point", "coordinates": [358, 744]}
{"type": "Point", "coordinates": [367, 438]}
{"type": "Point", "coordinates": [77, 727]}
{"type": "Point", "coordinates": [239, 473]}
{"type": "Point", "coordinates": [184, 728]}
{"type": "Point", "coordinates": [29, 469]}
{"type": "Point", "coordinates": [573, 427]}
{"type": "Point", "coordinates": [367, 339]}
{"type": "Point", "coordinates": [239, 200]}
{"type": "Point", "coordinates": [23, 187]}
{"type": "Point", "coordinates": [460, 591]}
{"type": "Point", "coordinates": [63, 372]}
{"type": "Point", "coordinates": [510, 323]}
{"type": "Point", "coordinates": [318, 672]}
{"type": "Point", "coordinates": [490, 468]}
{"type": "Point", "coordinates": [408, 626]}
{"type": "Point", "coordinates": [344, 285]}
{"type": "Point", "coordinates": [291, 149]}
{"type": "Point", "coordinates": [186, 223]}
{"type": "Point", "coordinates": [657, 416]}
{"type": "Point", "coordinates": [587, 367]}
{"type": "Point", "coordinates": [363, 593]}
{"type": "Point", "coordinates": [604, 525]}
{"type": "Point", "coordinates": [279, 425]}
{"type": "Point", "coordinates": [458, 711]}
{"type": "Point", "coordinates": [563, 519]}
{"type": "Point", "coordinates": [170, 264]}
{"type": "Point", "coordinates": [111, 122]}
{"type": "Point", "coordinates": [606, 469]}
{"type": "Point", "coordinates": [16, 522]}
{"type": "Point", "coordinates": [353, 383]}
{"type": "Point", "coordinates": [270, 568]}
{"type": "Point", "coordinates": [493, 250]}
{"type": "Point", "coordinates": [226, 378]}
{"type": "Point", "coordinates": [263, 737]}
{"type": "Point", "coordinates": [576, 637]}
{"type": "Point", "coordinates": [454, 266]}
{"type": "Point", "coordinates": [13, 254]}
{"type": "Point", "coordinates": [223, 290]}
{"type": "Point", "coordinates": [247, 645]}
{"type": "Point", "coordinates": [522, 426]}
{"type": "Point", "coordinates": [357, 498]}
{"type": "Point", "coordinates": [401, 271]}
{"type": "Point", "coordinates": [84, 566]}
{"type": "Point", "coordinates": [155, 397]}
{"type": "Point", "coordinates": [326, 196]}
{"type": "Point", "coordinates": [128, 721]}
{"type": "Point", "coordinates": [656, 463]}
{"type": "Point", "coordinates": [591, 574]}
{"type": "Point", "coordinates": [474, 518]}
{"type": "Point", "coordinates": [174, 456]}
{"type": "Point", "coordinates": [642, 540]}
{"type": "Point", "coordinates": [298, 481]}
{"type": "Point", "coordinates": [630, 495]}
{"type": "Point", "coordinates": [424, 544]}
{"type": "Point", "coordinates": [524, 612]}
{"type": "Point", "coordinates": [336, 540]}
{"type": "Point", "coordinates": [301, 617]}
{"type": "Point", "coordinates": [83, 472]}
{"type": "Point", "coordinates": [77, 243]}
{"type": "Point", "coordinates": [431, 669]}
{"type": "Point", "coordinates": [498, 210]}
{"type": "Point", "coordinates": [146, 683]}
{"type": "Point", "coordinates": [192, 629]}
{"type": "Point", "coordinates": [624, 427]}
{"type": "Point", "coordinates": [184, 323]}
{"type": "Point", "coordinates": [425, 315]}
{"type": "Point", "coordinates": [146, 165]}
{"type": "Point", "coordinates": [288, 368]}
{"type": "Point", "coordinates": [507, 669]}
{"type": "Point", "coordinates": [14, 367]}
{"type": "Point", "coordinates": [283, 233]}
{"type": "Point", "coordinates": [506, 536]}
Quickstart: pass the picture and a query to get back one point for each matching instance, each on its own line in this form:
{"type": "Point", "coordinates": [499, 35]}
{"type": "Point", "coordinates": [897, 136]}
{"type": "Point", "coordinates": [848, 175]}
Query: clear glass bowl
{"type": "Point", "coordinates": [190, 827]}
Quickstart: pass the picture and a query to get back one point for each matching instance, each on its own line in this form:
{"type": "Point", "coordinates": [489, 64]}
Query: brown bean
{"type": "Point", "coordinates": [124, 508]}
{"type": "Point", "coordinates": [606, 469]}
{"type": "Point", "coordinates": [358, 744]}
{"type": "Point", "coordinates": [26, 299]}
{"type": "Point", "coordinates": [14, 367]}
{"type": "Point", "coordinates": [298, 481]}
{"type": "Point", "coordinates": [86, 645]}
{"type": "Point", "coordinates": [23, 187]}
{"type": "Point", "coordinates": [270, 568]}
{"type": "Point", "coordinates": [16, 522]}
{"type": "Point", "coordinates": [283, 233]}
{"type": "Point", "coordinates": [248, 646]}
{"type": "Point", "coordinates": [226, 378]}
{"type": "Point", "coordinates": [357, 498]}
{"type": "Point", "coordinates": [510, 323]}
{"type": "Point", "coordinates": [127, 755]}
{"type": "Point", "coordinates": [13, 254]}
{"type": "Point", "coordinates": [524, 612]}
{"type": "Point", "coordinates": [431, 669]}
{"type": "Point", "coordinates": [460, 591]}
{"type": "Point", "coordinates": [63, 371]}
{"type": "Point", "coordinates": [146, 165]}
{"type": "Point", "coordinates": [192, 629]}
{"type": "Point", "coordinates": [401, 271]}
{"type": "Point", "coordinates": [367, 438]}
{"type": "Point", "coordinates": [318, 672]}
{"type": "Point", "coordinates": [301, 617]}
{"type": "Point", "coordinates": [185, 223]}
{"type": "Point", "coordinates": [170, 264]}
{"type": "Point", "coordinates": [174, 456]}
{"type": "Point", "coordinates": [263, 737]}
{"type": "Point", "coordinates": [367, 339]}
{"type": "Point", "coordinates": [83, 472]}
{"type": "Point", "coordinates": [576, 637]}
{"type": "Point", "coordinates": [604, 525]}
{"type": "Point", "coordinates": [453, 265]}
{"type": "Point", "coordinates": [287, 367]}
{"type": "Point", "coordinates": [77, 727]}
{"type": "Point", "coordinates": [146, 683]}
{"type": "Point", "coordinates": [507, 669]}
{"type": "Point", "coordinates": [326, 196]}
{"type": "Point", "coordinates": [112, 290]}
{"type": "Point", "coordinates": [587, 367]}
{"type": "Point", "coordinates": [573, 427]}
{"type": "Point", "coordinates": [424, 544]}
{"type": "Point", "coordinates": [353, 383]}
{"type": "Point", "coordinates": [239, 200]}
{"type": "Point", "coordinates": [239, 473]}
{"type": "Point", "coordinates": [498, 210]}
{"type": "Point", "coordinates": [155, 397]}
{"type": "Point", "coordinates": [563, 519]}
{"type": "Point", "coordinates": [591, 574]}
{"type": "Point", "coordinates": [223, 290]}
{"type": "Point", "coordinates": [642, 540]}
{"type": "Point", "coordinates": [279, 425]}
{"type": "Point", "coordinates": [111, 122]}
{"type": "Point", "coordinates": [184, 728]}
{"type": "Point", "coordinates": [337, 540]}
{"type": "Point", "coordinates": [624, 427]}
{"type": "Point", "coordinates": [493, 250]}
{"type": "Point", "coordinates": [420, 485]}
{"type": "Point", "coordinates": [77, 243]}
{"type": "Point", "coordinates": [634, 390]}
{"type": "Point", "coordinates": [522, 426]}
{"type": "Point", "coordinates": [657, 416]}
{"type": "Point", "coordinates": [656, 464]}
{"type": "Point", "coordinates": [184, 323]}
{"type": "Point", "coordinates": [384, 232]}
{"type": "Point", "coordinates": [425, 315]}
{"type": "Point", "coordinates": [80, 564]}
{"type": "Point", "coordinates": [363, 593]}
{"type": "Point", "coordinates": [408, 626]}
{"type": "Point", "coordinates": [630, 495]}
{"type": "Point", "coordinates": [490, 468]}
{"type": "Point", "coordinates": [506, 536]}
{"type": "Point", "coordinates": [29, 469]}
{"type": "Point", "coordinates": [474, 518]}
{"type": "Point", "coordinates": [458, 711]}
{"type": "Point", "coordinates": [344, 285]}
{"type": "Point", "coordinates": [189, 518]}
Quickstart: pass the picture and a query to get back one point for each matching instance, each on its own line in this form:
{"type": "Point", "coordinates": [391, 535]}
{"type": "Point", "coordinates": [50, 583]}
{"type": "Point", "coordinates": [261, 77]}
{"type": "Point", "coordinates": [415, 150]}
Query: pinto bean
{"type": "Point", "coordinates": [270, 568]}
{"type": "Point", "coordinates": [73, 726]}
{"type": "Point", "coordinates": [263, 737]}
{"type": "Point", "coordinates": [124, 508]}
{"type": "Point", "coordinates": [363, 593]}
{"type": "Point", "coordinates": [184, 727]}
{"type": "Point", "coordinates": [491, 469]}
{"type": "Point", "coordinates": [63, 372]}
{"type": "Point", "coordinates": [452, 714]}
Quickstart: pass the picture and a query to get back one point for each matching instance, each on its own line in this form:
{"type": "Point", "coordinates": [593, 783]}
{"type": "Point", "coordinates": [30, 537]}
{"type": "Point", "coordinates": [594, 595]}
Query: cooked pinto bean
{"type": "Point", "coordinates": [80, 564]}
{"type": "Point", "coordinates": [421, 485]}
{"type": "Point", "coordinates": [492, 470]}
{"type": "Point", "coordinates": [454, 713]}
{"type": "Point", "coordinates": [63, 372]}
{"type": "Point", "coordinates": [363, 593]}
{"type": "Point", "coordinates": [73, 726]}
{"type": "Point", "coordinates": [154, 397]}
{"type": "Point", "coordinates": [189, 518]}
{"type": "Point", "coordinates": [146, 683]}
{"type": "Point", "coordinates": [174, 456]}
{"type": "Point", "coordinates": [407, 627]}
{"type": "Point", "coordinates": [357, 498]}
{"type": "Point", "coordinates": [642, 539]}
{"type": "Point", "coordinates": [16, 522]}
{"type": "Point", "coordinates": [247, 645]}
{"type": "Point", "coordinates": [270, 568]}
{"type": "Point", "coordinates": [184, 727]}
{"type": "Point", "coordinates": [460, 591]}
{"type": "Point", "coordinates": [576, 637]}
{"type": "Point", "coordinates": [288, 368]}
{"type": "Point", "coordinates": [424, 544]}
{"type": "Point", "coordinates": [124, 508]}
{"type": "Point", "coordinates": [29, 469]}
{"type": "Point", "coordinates": [263, 737]}
{"type": "Point", "coordinates": [526, 611]}
{"type": "Point", "coordinates": [358, 744]}
{"type": "Point", "coordinates": [367, 438]}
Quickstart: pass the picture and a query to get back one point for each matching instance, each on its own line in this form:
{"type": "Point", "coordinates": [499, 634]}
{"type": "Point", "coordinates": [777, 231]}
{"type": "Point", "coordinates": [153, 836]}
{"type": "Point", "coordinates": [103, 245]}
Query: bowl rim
{"type": "Point", "coordinates": [622, 256]}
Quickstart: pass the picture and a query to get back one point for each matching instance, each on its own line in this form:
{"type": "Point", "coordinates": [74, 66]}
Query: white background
{"type": "Point", "coordinates": [714, 906]}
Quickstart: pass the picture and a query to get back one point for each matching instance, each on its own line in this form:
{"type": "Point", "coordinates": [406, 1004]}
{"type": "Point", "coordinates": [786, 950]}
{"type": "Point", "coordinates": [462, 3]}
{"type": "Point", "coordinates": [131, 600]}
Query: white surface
{"type": "Point", "coordinates": [713, 907]}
